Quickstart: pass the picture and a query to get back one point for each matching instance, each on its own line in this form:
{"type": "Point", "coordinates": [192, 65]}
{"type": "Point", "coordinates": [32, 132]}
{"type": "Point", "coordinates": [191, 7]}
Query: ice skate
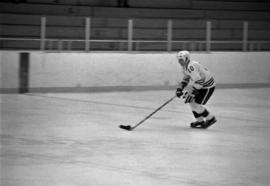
{"type": "Point", "coordinates": [197, 124]}
{"type": "Point", "coordinates": [208, 123]}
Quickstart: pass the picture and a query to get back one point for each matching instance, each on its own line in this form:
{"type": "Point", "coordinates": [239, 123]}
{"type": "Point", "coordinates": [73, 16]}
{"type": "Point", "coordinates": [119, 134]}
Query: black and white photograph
{"type": "Point", "coordinates": [135, 93]}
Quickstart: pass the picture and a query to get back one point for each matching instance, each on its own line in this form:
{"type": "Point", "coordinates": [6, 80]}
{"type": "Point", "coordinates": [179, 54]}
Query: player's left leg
{"type": "Point", "coordinates": [209, 119]}
{"type": "Point", "coordinates": [196, 110]}
{"type": "Point", "coordinates": [201, 99]}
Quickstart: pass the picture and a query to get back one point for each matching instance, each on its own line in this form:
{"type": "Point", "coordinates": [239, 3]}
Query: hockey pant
{"type": "Point", "coordinates": [201, 99]}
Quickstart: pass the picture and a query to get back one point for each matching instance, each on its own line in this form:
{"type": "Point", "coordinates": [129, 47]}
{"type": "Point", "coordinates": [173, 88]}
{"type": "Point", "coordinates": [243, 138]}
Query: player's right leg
{"type": "Point", "coordinates": [196, 110]}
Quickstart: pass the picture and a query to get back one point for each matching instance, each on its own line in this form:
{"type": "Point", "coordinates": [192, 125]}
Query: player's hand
{"type": "Point", "coordinates": [190, 94]}
{"type": "Point", "coordinates": [188, 97]}
{"type": "Point", "coordinates": [179, 92]}
{"type": "Point", "coordinates": [194, 91]}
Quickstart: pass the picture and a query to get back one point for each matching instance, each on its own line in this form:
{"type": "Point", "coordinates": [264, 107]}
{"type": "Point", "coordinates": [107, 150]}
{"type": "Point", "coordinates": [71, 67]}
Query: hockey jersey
{"type": "Point", "coordinates": [197, 75]}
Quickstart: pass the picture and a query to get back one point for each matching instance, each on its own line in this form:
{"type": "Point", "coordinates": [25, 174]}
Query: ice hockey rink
{"type": "Point", "coordinates": [71, 139]}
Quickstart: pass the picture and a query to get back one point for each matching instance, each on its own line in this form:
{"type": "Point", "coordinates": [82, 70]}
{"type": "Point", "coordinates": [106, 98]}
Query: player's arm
{"type": "Point", "coordinates": [184, 82]}
{"type": "Point", "coordinates": [182, 85]}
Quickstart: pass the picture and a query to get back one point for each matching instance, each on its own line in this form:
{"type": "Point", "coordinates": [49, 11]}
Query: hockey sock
{"type": "Point", "coordinates": [200, 119]}
{"type": "Point", "coordinates": [207, 115]}
{"type": "Point", "coordinates": [197, 116]}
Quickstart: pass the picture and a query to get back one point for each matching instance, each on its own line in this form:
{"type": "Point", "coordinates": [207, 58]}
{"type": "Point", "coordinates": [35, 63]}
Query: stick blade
{"type": "Point", "coordinates": [125, 127]}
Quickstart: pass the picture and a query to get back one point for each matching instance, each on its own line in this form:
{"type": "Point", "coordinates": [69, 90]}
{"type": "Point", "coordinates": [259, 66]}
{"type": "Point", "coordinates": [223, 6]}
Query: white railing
{"type": "Point", "coordinates": [134, 45]}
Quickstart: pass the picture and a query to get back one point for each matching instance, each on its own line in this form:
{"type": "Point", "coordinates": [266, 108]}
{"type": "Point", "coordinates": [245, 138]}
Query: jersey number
{"type": "Point", "coordinates": [190, 69]}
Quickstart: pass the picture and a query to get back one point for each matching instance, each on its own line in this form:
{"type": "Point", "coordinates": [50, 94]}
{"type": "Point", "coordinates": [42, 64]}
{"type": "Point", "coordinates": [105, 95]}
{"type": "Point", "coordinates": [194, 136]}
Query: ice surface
{"type": "Point", "coordinates": [74, 139]}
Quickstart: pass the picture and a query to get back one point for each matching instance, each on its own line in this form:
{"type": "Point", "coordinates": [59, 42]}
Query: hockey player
{"type": "Point", "coordinates": [197, 86]}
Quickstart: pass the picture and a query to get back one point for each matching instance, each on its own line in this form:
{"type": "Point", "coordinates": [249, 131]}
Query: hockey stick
{"type": "Point", "coordinates": [128, 127]}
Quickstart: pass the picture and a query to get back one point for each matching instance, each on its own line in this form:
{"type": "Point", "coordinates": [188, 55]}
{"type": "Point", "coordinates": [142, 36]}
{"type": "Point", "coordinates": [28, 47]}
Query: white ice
{"type": "Point", "coordinates": [74, 140]}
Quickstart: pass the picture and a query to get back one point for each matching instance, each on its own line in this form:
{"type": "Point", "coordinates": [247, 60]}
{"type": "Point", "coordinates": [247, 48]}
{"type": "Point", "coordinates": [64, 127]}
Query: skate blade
{"type": "Point", "coordinates": [198, 127]}
{"type": "Point", "coordinates": [207, 126]}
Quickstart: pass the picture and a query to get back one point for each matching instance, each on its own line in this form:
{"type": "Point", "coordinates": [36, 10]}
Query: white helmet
{"type": "Point", "coordinates": [184, 54]}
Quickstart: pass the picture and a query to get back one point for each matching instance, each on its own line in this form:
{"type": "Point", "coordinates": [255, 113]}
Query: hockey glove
{"type": "Point", "coordinates": [190, 95]}
{"type": "Point", "coordinates": [179, 92]}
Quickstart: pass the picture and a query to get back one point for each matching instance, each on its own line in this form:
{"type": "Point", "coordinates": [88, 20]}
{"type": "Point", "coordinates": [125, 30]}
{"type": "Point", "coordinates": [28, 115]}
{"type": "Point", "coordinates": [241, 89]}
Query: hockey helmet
{"type": "Point", "coordinates": [183, 56]}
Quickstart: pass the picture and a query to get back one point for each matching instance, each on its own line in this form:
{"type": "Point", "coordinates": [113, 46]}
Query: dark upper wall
{"type": "Point", "coordinates": [66, 20]}
{"type": "Point", "coordinates": [203, 9]}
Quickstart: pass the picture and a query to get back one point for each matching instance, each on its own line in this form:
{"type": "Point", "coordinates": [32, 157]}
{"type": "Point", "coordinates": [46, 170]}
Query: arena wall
{"type": "Point", "coordinates": [9, 68]}
{"type": "Point", "coordinates": [109, 71]}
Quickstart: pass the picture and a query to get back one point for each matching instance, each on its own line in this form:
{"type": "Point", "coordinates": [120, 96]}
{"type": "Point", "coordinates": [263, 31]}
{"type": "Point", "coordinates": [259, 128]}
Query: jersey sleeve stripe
{"type": "Point", "coordinates": [209, 83]}
{"type": "Point", "coordinates": [200, 81]}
